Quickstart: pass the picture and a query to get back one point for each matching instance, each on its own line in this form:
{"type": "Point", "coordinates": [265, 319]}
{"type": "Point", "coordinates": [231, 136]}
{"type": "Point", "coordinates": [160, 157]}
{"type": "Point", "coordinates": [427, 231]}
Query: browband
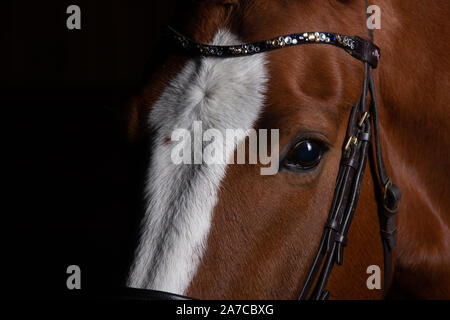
{"type": "Point", "coordinates": [357, 47]}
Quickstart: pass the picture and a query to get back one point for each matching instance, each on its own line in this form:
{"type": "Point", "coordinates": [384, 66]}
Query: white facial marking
{"type": "Point", "coordinates": [223, 93]}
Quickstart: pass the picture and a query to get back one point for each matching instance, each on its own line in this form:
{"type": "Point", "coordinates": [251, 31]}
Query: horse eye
{"type": "Point", "coordinates": [305, 155]}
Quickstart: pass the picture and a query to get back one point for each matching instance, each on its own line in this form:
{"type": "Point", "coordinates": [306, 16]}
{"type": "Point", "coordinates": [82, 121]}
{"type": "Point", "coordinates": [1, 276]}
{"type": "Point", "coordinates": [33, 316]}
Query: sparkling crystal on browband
{"type": "Point", "coordinates": [359, 48]}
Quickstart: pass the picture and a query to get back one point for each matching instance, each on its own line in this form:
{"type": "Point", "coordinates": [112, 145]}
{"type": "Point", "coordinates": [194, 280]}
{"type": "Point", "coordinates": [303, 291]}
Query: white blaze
{"type": "Point", "coordinates": [223, 93]}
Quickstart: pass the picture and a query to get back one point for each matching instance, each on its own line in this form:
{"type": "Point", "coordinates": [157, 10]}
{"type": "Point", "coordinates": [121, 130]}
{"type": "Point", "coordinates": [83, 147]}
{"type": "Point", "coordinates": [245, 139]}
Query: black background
{"type": "Point", "coordinates": [71, 193]}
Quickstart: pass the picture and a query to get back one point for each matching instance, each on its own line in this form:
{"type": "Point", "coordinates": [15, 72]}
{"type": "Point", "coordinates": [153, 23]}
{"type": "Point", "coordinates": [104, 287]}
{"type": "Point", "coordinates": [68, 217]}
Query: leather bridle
{"type": "Point", "coordinates": [362, 129]}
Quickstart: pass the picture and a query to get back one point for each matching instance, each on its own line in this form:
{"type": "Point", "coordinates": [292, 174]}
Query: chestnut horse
{"type": "Point", "coordinates": [228, 232]}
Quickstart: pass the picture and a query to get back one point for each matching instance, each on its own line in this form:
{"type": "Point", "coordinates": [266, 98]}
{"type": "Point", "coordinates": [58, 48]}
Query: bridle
{"type": "Point", "coordinates": [361, 125]}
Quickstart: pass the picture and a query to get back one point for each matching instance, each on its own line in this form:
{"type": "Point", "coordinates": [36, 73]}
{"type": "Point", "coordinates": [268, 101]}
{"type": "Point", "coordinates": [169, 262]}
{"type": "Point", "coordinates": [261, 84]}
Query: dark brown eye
{"type": "Point", "coordinates": [305, 155]}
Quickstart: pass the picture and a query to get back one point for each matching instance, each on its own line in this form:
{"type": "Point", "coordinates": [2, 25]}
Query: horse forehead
{"type": "Point", "coordinates": [310, 87]}
{"type": "Point", "coordinates": [214, 90]}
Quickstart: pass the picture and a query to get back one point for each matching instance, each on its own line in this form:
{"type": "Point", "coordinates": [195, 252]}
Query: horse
{"type": "Point", "coordinates": [227, 231]}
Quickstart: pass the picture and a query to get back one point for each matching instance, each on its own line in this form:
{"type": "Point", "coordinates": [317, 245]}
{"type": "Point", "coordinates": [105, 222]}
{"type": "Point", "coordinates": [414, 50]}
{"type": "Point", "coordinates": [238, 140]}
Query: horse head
{"type": "Point", "coordinates": [221, 229]}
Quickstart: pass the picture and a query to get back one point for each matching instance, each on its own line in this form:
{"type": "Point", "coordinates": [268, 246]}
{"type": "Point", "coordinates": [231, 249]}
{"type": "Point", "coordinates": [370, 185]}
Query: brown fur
{"type": "Point", "coordinates": [266, 229]}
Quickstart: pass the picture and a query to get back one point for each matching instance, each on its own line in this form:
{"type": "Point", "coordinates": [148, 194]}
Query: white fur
{"type": "Point", "coordinates": [223, 93]}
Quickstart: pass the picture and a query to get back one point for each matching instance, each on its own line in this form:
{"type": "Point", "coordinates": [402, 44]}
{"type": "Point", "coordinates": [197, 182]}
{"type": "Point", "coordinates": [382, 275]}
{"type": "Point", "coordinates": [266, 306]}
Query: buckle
{"type": "Point", "coordinates": [350, 140]}
{"type": "Point", "coordinates": [386, 187]}
{"type": "Point", "coordinates": [363, 118]}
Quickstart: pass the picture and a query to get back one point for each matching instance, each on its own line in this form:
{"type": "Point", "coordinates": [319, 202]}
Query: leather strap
{"type": "Point", "coordinates": [359, 48]}
{"type": "Point", "coordinates": [366, 51]}
{"type": "Point", "coordinates": [389, 195]}
{"type": "Point", "coordinates": [141, 294]}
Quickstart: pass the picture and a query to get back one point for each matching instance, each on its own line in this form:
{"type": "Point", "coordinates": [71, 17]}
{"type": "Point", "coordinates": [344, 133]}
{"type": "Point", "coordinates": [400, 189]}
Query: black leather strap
{"type": "Point", "coordinates": [389, 195]}
{"type": "Point", "coordinates": [359, 48]}
{"type": "Point", "coordinates": [136, 294]}
{"type": "Point", "coordinates": [366, 51]}
{"type": "Point", "coordinates": [146, 294]}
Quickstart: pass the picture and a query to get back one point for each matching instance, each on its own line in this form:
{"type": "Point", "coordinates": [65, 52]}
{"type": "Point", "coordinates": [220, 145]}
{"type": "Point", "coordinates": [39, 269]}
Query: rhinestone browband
{"type": "Point", "coordinates": [359, 48]}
